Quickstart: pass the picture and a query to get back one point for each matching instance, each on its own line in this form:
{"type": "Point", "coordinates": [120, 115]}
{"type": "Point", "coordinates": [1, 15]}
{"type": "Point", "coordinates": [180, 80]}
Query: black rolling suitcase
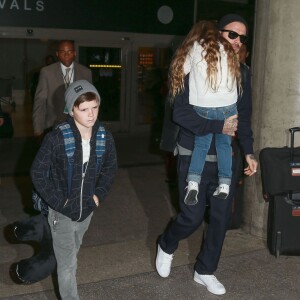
{"type": "Point", "coordinates": [280, 171]}
{"type": "Point", "coordinates": [283, 233]}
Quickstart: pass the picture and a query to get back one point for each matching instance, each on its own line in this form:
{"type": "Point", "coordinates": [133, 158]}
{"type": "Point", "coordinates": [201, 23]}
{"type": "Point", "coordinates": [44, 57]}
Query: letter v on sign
{"type": "Point", "coordinates": [2, 3]}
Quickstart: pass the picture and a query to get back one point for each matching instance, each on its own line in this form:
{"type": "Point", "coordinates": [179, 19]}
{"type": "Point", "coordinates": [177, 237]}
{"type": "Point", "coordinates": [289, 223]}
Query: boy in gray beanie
{"type": "Point", "coordinates": [77, 89]}
{"type": "Point", "coordinates": [73, 172]}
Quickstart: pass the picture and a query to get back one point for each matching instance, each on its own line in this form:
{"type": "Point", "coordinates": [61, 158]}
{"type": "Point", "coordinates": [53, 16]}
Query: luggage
{"type": "Point", "coordinates": [280, 171]}
{"type": "Point", "coordinates": [283, 230]}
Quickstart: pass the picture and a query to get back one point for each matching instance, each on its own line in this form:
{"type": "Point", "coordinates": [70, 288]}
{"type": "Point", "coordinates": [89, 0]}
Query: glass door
{"type": "Point", "coordinates": [108, 69]}
{"type": "Point", "coordinates": [152, 72]}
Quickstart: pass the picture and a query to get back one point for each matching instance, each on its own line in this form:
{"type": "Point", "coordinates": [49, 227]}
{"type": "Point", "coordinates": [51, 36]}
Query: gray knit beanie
{"type": "Point", "coordinates": [76, 89]}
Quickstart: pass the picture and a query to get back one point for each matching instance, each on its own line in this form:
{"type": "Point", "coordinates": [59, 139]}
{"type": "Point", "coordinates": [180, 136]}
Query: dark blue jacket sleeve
{"type": "Point", "coordinates": [40, 172]}
{"type": "Point", "coordinates": [244, 106]}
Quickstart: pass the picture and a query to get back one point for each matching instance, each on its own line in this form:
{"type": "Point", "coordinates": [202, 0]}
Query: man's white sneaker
{"type": "Point", "coordinates": [191, 193]}
{"type": "Point", "coordinates": [163, 262]}
{"type": "Point", "coordinates": [212, 284]}
{"type": "Point", "coordinates": [222, 191]}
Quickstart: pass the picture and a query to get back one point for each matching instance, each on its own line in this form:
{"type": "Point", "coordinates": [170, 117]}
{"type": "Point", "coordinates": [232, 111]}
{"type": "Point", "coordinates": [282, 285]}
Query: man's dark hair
{"type": "Point", "coordinates": [65, 41]}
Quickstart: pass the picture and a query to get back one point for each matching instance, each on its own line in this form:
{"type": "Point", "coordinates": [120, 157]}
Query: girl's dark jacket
{"type": "Point", "coordinates": [54, 190]}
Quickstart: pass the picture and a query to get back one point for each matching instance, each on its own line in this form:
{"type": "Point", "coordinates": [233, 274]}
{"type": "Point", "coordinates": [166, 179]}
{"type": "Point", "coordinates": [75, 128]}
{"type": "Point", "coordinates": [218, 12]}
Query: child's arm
{"type": "Point", "coordinates": [40, 173]}
{"type": "Point", "coordinates": [108, 168]}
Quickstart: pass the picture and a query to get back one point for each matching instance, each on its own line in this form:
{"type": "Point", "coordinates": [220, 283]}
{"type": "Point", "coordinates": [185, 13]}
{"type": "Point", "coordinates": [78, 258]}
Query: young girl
{"type": "Point", "coordinates": [214, 83]}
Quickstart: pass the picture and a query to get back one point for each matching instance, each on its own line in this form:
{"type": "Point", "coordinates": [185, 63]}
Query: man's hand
{"type": "Point", "coordinates": [230, 125]}
{"type": "Point", "coordinates": [96, 200]}
{"type": "Point", "coordinates": [1, 121]}
{"type": "Point", "coordinates": [252, 165]}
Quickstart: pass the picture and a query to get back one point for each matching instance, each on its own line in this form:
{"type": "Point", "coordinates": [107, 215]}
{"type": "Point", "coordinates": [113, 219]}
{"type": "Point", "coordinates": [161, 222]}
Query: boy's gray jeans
{"type": "Point", "coordinates": [67, 238]}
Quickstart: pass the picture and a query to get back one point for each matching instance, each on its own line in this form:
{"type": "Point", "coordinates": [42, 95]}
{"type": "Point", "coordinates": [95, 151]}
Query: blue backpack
{"type": "Point", "coordinates": [69, 141]}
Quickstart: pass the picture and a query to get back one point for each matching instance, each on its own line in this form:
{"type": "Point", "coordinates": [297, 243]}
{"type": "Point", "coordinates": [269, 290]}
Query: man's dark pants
{"type": "Point", "coordinates": [191, 217]}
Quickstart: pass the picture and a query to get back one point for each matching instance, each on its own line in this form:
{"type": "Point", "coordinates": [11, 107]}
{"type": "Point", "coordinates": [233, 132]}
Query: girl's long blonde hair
{"type": "Point", "coordinates": [208, 36]}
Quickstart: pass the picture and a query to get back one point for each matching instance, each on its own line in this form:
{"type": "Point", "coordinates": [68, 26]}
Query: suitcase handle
{"type": "Point", "coordinates": [292, 131]}
{"type": "Point", "coordinates": [293, 198]}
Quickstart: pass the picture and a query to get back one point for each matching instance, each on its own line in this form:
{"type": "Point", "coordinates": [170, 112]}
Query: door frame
{"type": "Point", "coordinates": [129, 42]}
{"type": "Point", "coordinates": [121, 125]}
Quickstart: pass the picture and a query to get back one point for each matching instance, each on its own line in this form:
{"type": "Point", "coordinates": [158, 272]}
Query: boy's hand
{"type": "Point", "coordinates": [96, 200]}
{"type": "Point", "coordinates": [252, 165]}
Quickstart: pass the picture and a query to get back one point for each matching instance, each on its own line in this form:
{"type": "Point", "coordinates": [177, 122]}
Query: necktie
{"type": "Point", "coordinates": [67, 77]}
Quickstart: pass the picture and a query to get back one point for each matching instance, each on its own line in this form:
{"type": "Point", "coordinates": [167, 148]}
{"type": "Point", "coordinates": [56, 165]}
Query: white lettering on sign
{"type": "Point", "coordinates": [14, 4]}
{"type": "Point", "coordinates": [26, 5]}
{"type": "Point", "coordinates": [295, 171]}
{"type": "Point", "coordinates": [39, 5]}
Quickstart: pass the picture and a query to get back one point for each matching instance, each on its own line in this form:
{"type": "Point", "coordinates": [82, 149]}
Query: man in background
{"type": "Point", "coordinates": [48, 107]}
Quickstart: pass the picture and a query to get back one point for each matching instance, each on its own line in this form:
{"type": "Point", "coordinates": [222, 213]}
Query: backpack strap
{"type": "Point", "coordinates": [100, 144]}
{"type": "Point", "coordinates": [69, 139]}
{"type": "Point", "coordinates": [69, 142]}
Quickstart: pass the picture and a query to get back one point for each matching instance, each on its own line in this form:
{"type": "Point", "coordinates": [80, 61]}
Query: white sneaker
{"type": "Point", "coordinates": [222, 191]}
{"type": "Point", "coordinates": [191, 193]}
{"type": "Point", "coordinates": [163, 262]}
{"type": "Point", "coordinates": [212, 284]}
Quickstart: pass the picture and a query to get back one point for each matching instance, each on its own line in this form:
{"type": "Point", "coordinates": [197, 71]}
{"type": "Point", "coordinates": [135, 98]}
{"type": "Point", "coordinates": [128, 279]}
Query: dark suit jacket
{"type": "Point", "coordinates": [49, 102]}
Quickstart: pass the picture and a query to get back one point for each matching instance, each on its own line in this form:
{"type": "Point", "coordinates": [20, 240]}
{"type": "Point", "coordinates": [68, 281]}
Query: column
{"type": "Point", "coordinates": [276, 92]}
